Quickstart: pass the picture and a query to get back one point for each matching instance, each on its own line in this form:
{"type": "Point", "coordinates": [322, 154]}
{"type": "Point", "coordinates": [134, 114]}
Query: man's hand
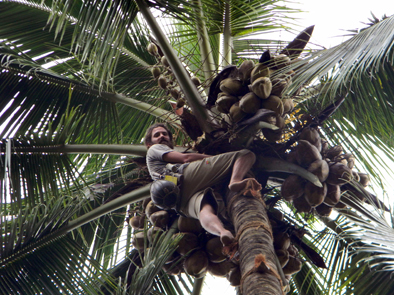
{"type": "Point", "coordinates": [177, 157]}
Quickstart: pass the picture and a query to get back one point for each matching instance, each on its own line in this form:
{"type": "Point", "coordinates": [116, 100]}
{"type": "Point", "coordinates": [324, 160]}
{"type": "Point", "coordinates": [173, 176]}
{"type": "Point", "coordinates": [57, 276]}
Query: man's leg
{"type": "Point", "coordinates": [212, 224]}
{"type": "Point", "coordinates": [241, 167]}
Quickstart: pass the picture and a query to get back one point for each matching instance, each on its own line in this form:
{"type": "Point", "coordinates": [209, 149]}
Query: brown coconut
{"type": "Point", "coordinates": [281, 241]}
{"type": "Point", "coordinates": [293, 266]}
{"type": "Point", "coordinates": [273, 103]}
{"type": "Point", "coordinates": [236, 113]}
{"type": "Point", "coordinates": [339, 174]}
{"type": "Point", "coordinates": [220, 269]}
{"type": "Point", "coordinates": [293, 187]}
{"type": "Point", "coordinates": [293, 251]}
{"type": "Point", "coordinates": [154, 234]}
{"type": "Point", "coordinates": [276, 214]}
{"type": "Point", "coordinates": [272, 135]}
{"type": "Point", "coordinates": [315, 195]}
{"type": "Point", "coordinates": [324, 210]}
{"type": "Point", "coordinates": [283, 257]}
{"type": "Point", "coordinates": [334, 151]}
{"type": "Point", "coordinates": [333, 195]}
{"type": "Point", "coordinates": [151, 208]}
{"type": "Point", "coordinates": [364, 179]}
{"type": "Point", "coordinates": [137, 222]}
{"type": "Point", "coordinates": [245, 70]}
{"type": "Point", "coordinates": [225, 102]}
{"type": "Point", "coordinates": [196, 264]}
{"type": "Point", "coordinates": [320, 169]}
{"type": "Point", "coordinates": [191, 225]}
{"type": "Point", "coordinates": [281, 61]}
{"type": "Point", "coordinates": [160, 218]}
{"type": "Point", "coordinates": [340, 205]}
{"type": "Point", "coordinates": [262, 87]}
{"type": "Point", "coordinates": [250, 103]}
{"type": "Point", "coordinates": [173, 268]}
{"type": "Point", "coordinates": [350, 160]}
{"type": "Point", "coordinates": [231, 86]}
{"type": "Point", "coordinates": [311, 135]}
{"type": "Point", "coordinates": [214, 249]}
{"type": "Point", "coordinates": [302, 205]}
{"type": "Point", "coordinates": [307, 153]}
{"type": "Point", "coordinates": [234, 276]}
{"type": "Point", "coordinates": [278, 86]}
{"type": "Point", "coordinates": [260, 70]}
{"type": "Point", "coordinates": [145, 203]}
{"type": "Point", "coordinates": [288, 105]}
{"type": "Point", "coordinates": [138, 241]}
{"type": "Point", "coordinates": [188, 242]}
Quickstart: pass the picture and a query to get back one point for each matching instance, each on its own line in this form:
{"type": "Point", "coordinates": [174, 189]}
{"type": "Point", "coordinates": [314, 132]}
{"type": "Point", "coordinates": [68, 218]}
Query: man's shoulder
{"type": "Point", "coordinates": [158, 149]}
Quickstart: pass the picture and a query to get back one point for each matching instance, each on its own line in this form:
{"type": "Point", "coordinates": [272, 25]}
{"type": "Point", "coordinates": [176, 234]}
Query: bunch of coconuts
{"type": "Point", "coordinates": [198, 252]}
{"type": "Point", "coordinates": [333, 168]}
{"type": "Point", "coordinates": [257, 86]}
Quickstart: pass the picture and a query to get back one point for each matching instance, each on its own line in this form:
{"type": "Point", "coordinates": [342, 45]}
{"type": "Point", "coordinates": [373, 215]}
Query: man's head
{"type": "Point", "coordinates": [158, 133]}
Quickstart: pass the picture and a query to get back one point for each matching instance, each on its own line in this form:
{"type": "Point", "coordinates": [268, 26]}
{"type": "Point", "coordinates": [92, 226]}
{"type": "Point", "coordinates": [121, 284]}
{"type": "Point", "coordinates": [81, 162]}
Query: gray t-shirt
{"type": "Point", "coordinates": [155, 162]}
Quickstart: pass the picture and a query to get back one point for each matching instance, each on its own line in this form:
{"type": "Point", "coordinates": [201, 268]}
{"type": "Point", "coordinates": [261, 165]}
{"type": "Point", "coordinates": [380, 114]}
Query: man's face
{"type": "Point", "coordinates": [160, 135]}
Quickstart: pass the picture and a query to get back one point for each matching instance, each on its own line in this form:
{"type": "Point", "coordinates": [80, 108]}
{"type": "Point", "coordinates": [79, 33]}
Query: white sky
{"type": "Point", "coordinates": [330, 19]}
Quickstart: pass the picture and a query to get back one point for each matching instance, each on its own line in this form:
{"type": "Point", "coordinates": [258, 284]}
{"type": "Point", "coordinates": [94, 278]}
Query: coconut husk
{"type": "Point", "coordinates": [196, 81]}
{"type": "Point", "coordinates": [339, 174]}
{"type": "Point", "coordinates": [355, 176]}
{"type": "Point", "coordinates": [334, 152]}
{"type": "Point", "coordinates": [245, 70]}
{"type": "Point", "coordinates": [324, 147]}
{"type": "Point", "coordinates": [236, 113]}
{"type": "Point", "coordinates": [272, 135]}
{"type": "Point", "coordinates": [293, 251]}
{"type": "Point", "coordinates": [280, 61]}
{"type": "Point", "coordinates": [220, 269]}
{"type": "Point", "coordinates": [283, 257]}
{"type": "Point", "coordinates": [214, 249]}
{"type": "Point", "coordinates": [324, 210]}
{"type": "Point", "coordinates": [190, 225]}
{"type": "Point", "coordinates": [350, 160]}
{"type": "Point", "coordinates": [156, 72]}
{"type": "Point", "coordinates": [364, 179]}
{"type": "Point", "coordinates": [315, 195]}
{"type": "Point", "coordinates": [259, 71]}
{"type": "Point", "coordinates": [278, 85]}
{"type": "Point", "coordinates": [154, 233]}
{"type": "Point", "coordinates": [196, 264]}
{"type": "Point", "coordinates": [231, 86]}
{"type": "Point", "coordinates": [293, 266]}
{"type": "Point", "coordinates": [281, 241]}
{"type": "Point", "coordinates": [292, 157]}
{"type": "Point", "coordinates": [174, 268]}
{"type": "Point", "coordinates": [273, 103]}
{"type": "Point", "coordinates": [162, 82]}
{"type": "Point", "coordinates": [145, 203]}
{"type": "Point", "coordinates": [250, 103]}
{"type": "Point", "coordinates": [307, 153]}
{"type": "Point", "coordinates": [261, 87]}
{"type": "Point", "coordinates": [288, 105]}
{"type": "Point", "coordinates": [333, 195]}
{"type": "Point", "coordinates": [340, 205]}
{"type": "Point", "coordinates": [234, 277]}
{"type": "Point", "coordinates": [151, 208]}
{"type": "Point", "coordinates": [320, 169]}
{"type": "Point", "coordinates": [302, 205]}
{"type": "Point", "coordinates": [137, 222]}
{"type": "Point", "coordinates": [292, 188]}
{"type": "Point", "coordinates": [188, 242]}
{"type": "Point", "coordinates": [160, 218]}
{"type": "Point", "coordinates": [224, 103]}
{"type": "Point", "coordinates": [311, 135]}
{"type": "Point", "coordinates": [164, 61]}
{"type": "Point", "coordinates": [138, 241]}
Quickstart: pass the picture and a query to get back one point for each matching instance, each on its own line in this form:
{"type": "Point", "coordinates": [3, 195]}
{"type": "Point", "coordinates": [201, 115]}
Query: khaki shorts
{"type": "Point", "coordinates": [200, 175]}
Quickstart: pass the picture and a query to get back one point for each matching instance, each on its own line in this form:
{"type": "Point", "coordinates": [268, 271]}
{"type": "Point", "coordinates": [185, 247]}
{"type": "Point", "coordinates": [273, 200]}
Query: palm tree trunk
{"type": "Point", "coordinates": [258, 261]}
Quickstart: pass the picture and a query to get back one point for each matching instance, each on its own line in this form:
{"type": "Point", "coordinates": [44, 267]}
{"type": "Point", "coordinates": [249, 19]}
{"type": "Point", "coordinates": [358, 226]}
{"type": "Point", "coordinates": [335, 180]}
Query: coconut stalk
{"type": "Point", "coordinates": [189, 89]}
{"type": "Point", "coordinates": [208, 63]}
{"type": "Point", "coordinates": [258, 262]}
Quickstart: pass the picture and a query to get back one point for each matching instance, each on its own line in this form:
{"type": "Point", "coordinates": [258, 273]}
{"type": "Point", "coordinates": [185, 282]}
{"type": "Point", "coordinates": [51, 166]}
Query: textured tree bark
{"type": "Point", "coordinates": [258, 262]}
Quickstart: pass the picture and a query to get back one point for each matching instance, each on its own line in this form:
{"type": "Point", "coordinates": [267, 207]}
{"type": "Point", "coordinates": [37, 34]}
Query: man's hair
{"type": "Point", "coordinates": [148, 135]}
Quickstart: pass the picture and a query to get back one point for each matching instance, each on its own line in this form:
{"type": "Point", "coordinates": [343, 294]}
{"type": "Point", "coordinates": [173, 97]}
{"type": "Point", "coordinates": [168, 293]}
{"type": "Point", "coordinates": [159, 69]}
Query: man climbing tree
{"type": "Point", "coordinates": [199, 173]}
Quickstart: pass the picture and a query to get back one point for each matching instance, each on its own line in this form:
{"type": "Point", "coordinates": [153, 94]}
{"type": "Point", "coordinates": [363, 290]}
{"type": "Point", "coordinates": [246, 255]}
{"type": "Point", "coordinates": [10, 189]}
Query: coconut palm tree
{"type": "Point", "coordinates": [77, 95]}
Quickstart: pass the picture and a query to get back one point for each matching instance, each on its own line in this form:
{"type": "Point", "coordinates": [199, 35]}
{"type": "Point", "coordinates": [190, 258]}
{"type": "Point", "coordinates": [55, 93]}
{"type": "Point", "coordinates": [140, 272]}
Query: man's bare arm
{"type": "Point", "coordinates": [177, 157]}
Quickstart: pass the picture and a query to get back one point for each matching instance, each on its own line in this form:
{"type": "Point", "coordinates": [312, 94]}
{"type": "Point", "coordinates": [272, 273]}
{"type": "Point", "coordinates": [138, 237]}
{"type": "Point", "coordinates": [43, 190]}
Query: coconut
{"type": "Point", "coordinates": [162, 81]}
{"type": "Point", "coordinates": [334, 152]}
{"type": "Point", "coordinates": [281, 61]}
{"type": "Point", "coordinates": [293, 251]}
{"type": "Point", "coordinates": [350, 160]}
{"type": "Point", "coordinates": [174, 93]}
{"type": "Point", "coordinates": [272, 135]}
{"type": "Point", "coordinates": [160, 218]}
{"type": "Point", "coordinates": [324, 147]}
{"type": "Point", "coordinates": [164, 61]}
{"type": "Point", "coordinates": [191, 225]}
{"type": "Point", "coordinates": [214, 249]}
{"type": "Point", "coordinates": [151, 208]}
{"type": "Point", "coordinates": [231, 86]}
{"type": "Point", "coordinates": [293, 266]}
{"type": "Point", "coordinates": [320, 169]}
{"type": "Point", "coordinates": [283, 257]}
{"type": "Point", "coordinates": [196, 81]}
{"type": "Point", "coordinates": [288, 105]}
{"type": "Point", "coordinates": [307, 153]}
{"type": "Point", "coordinates": [311, 135]}
{"type": "Point", "coordinates": [145, 203]}
{"type": "Point", "coordinates": [364, 179]}
{"type": "Point", "coordinates": [220, 269]}
{"type": "Point", "coordinates": [262, 87]}
{"type": "Point", "coordinates": [174, 268]}
{"type": "Point", "coordinates": [273, 103]}
{"type": "Point", "coordinates": [324, 210]}
{"type": "Point", "coordinates": [245, 70]}
{"type": "Point", "coordinates": [156, 72]}
{"type": "Point", "coordinates": [260, 70]}
{"type": "Point", "coordinates": [276, 214]}
{"type": "Point", "coordinates": [137, 222]}
{"type": "Point", "coordinates": [250, 103]}
{"type": "Point", "coordinates": [138, 241]}
{"type": "Point", "coordinates": [355, 176]}
{"type": "Point", "coordinates": [225, 102]}
{"type": "Point", "coordinates": [302, 205]}
{"type": "Point", "coordinates": [196, 264]}
{"type": "Point", "coordinates": [154, 234]}
{"type": "Point", "coordinates": [278, 85]}
{"type": "Point", "coordinates": [281, 240]}
{"type": "Point", "coordinates": [234, 277]}
{"type": "Point", "coordinates": [188, 242]}
{"type": "Point", "coordinates": [292, 188]}
{"type": "Point", "coordinates": [339, 174]}
{"type": "Point", "coordinates": [333, 195]}
{"type": "Point", "coordinates": [340, 205]}
{"type": "Point", "coordinates": [180, 102]}
{"type": "Point", "coordinates": [236, 113]}
{"type": "Point", "coordinates": [315, 195]}
{"type": "Point", "coordinates": [152, 49]}
{"type": "Point", "coordinates": [292, 157]}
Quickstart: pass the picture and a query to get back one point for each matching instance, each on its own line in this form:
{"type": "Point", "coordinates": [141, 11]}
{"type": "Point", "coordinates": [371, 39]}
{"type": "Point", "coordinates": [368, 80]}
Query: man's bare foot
{"type": "Point", "coordinates": [238, 186]}
{"type": "Point", "coordinates": [226, 238]}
